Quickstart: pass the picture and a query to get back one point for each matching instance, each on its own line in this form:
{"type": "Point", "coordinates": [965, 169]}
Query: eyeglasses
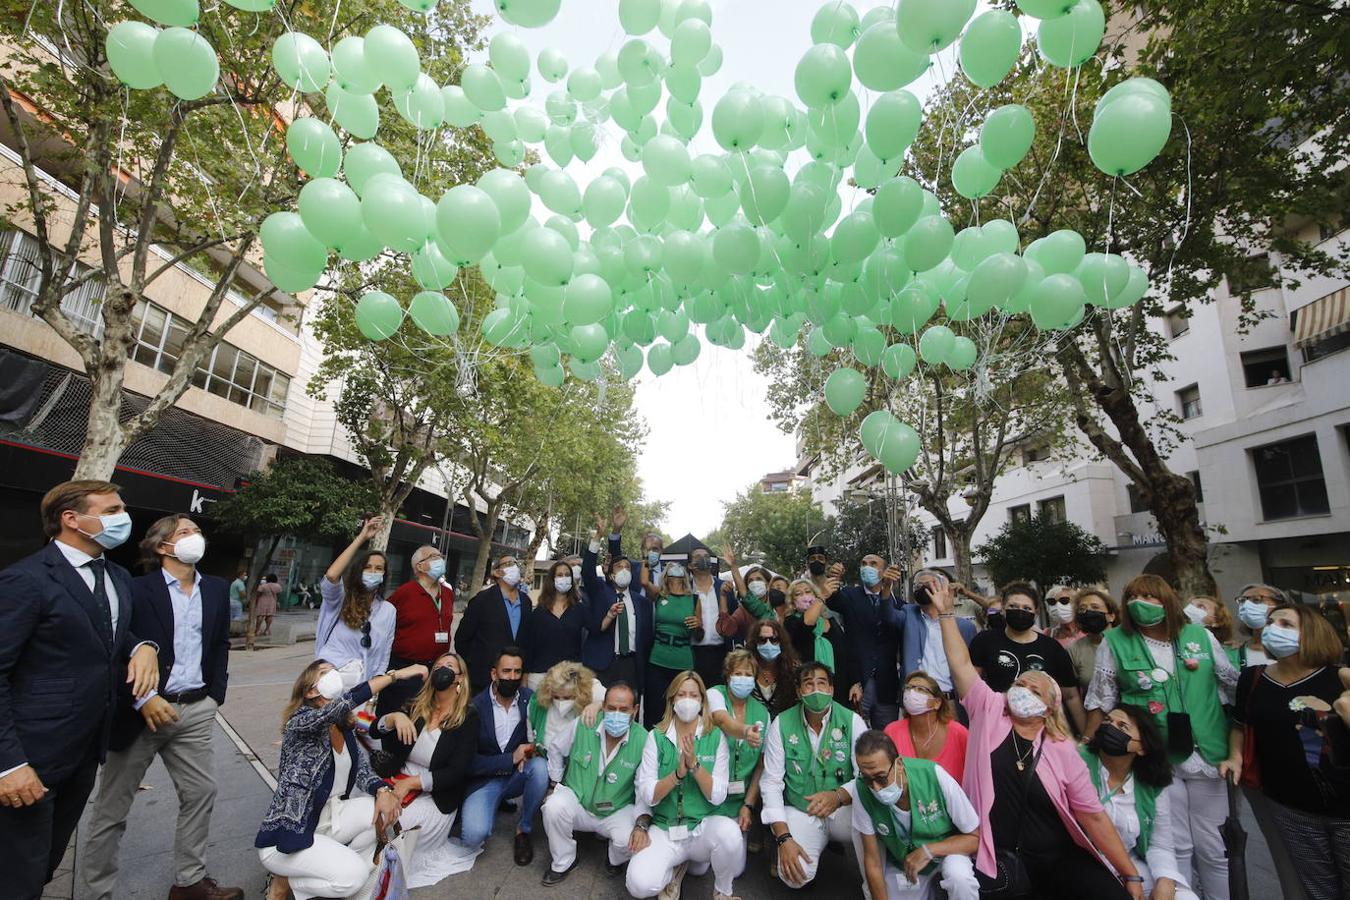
{"type": "Point", "coordinates": [365, 635]}
{"type": "Point", "coordinates": [1255, 598]}
{"type": "Point", "coordinates": [877, 780]}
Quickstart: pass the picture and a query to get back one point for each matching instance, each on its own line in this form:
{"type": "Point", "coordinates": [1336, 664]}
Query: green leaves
{"type": "Point", "coordinates": [295, 496]}
{"type": "Point", "coordinates": [1045, 551]}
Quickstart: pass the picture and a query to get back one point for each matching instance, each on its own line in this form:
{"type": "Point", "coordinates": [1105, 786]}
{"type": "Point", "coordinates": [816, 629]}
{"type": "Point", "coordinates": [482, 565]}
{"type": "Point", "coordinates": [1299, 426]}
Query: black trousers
{"type": "Point", "coordinates": [655, 683]}
{"type": "Point", "coordinates": [708, 662]}
{"type": "Point", "coordinates": [622, 668]}
{"type": "Point", "coordinates": [34, 838]}
{"type": "Point", "coordinates": [1072, 875]}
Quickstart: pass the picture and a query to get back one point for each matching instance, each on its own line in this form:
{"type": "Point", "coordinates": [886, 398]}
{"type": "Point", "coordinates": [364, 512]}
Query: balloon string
{"type": "Point", "coordinates": [1186, 225]}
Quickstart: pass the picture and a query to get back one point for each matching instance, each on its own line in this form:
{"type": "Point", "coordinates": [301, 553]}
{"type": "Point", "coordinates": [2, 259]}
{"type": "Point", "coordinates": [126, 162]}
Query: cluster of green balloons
{"type": "Point", "coordinates": [143, 57]}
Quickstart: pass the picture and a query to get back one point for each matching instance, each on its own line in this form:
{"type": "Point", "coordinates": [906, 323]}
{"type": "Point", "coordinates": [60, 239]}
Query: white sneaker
{"type": "Point", "coordinates": [672, 890]}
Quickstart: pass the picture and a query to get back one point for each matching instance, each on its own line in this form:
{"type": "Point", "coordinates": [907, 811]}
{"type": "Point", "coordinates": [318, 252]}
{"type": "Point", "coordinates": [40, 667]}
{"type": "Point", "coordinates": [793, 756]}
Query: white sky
{"type": "Point", "coordinates": [710, 434]}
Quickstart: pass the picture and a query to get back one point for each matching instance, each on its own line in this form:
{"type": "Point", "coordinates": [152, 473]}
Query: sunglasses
{"type": "Point", "coordinates": [877, 780]}
{"type": "Point", "coordinates": [1056, 601]}
{"type": "Point", "coordinates": [773, 641]}
{"type": "Point", "coordinates": [365, 635]}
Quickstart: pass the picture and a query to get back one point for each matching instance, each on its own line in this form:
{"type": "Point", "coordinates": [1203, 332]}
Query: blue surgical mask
{"type": "Point", "coordinates": [1279, 640]}
{"type": "Point", "coordinates": [869, 575]}
{"type": "Point", "coordinates": [770, 651]}
{"type": "Point", "coordinates": [616, 723]}
{"type": "Point", "coordinates": [116, 530]}
{"type": "Point", "coordinates": [889, 795]}
{"type": "Point", "coordinates": [653, 557]}
{"type": "Point", "coordinates": [741, 685]}
{"type": "Point", "coordinates": [436, 571]}
{"type": "Point", "coordinates": [372, 580]}
{"type": "Point", "coordinates": [1254, 615]}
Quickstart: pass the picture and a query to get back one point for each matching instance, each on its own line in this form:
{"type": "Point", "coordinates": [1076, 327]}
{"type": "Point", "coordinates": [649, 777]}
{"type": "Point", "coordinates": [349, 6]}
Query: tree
{"type": "Point", "coordinates": [1044, 551]}
{"type": "Point", "coordinates": [773, 529]}
{"type": "Point", "coordinates": [858, 528]}
{"type": "Point", "coordinates": [294, 497]}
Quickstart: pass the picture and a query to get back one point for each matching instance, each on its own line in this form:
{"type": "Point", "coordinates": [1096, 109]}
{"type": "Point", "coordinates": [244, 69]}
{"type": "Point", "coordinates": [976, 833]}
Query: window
{"type": "Point", "coordinates": [1256, 274]}
{"type": "Point", "coordinates": [1052, 508]}
{"type": "Point", "coordinates": [1333, 344]}
{"type": "Point", "coordinates": [21, 275]}
{"type": "Point", "coordinates": [1289, 478]}
{"type": "Point", "coordinates": [1194, 476]}
{"type": "Point", "coordinates": [1137, 504]}
{"type": "Point", "coordinates": [1020, 513]}
{"type": "Point", "coordinates": [1189, 401]}
{"type": "Point", "coordinates": [1178, 322]}
{"type": "Point", "coordinates": [1266, 366]}
{"type": "Point", "coordinates": [939, 543]}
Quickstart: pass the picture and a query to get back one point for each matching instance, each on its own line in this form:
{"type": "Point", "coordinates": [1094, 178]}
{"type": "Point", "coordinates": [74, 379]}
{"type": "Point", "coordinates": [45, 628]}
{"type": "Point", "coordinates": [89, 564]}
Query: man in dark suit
{"type": "Point", "coordinates": [498, 616]}
{"type": "Point", "coordinates": [504, 765]}
{"type": "Point", "coordinates": [870, 612]}
{"type": "Point", "coordinates": [621, 629]}
{"type": "Point", "coordinates": [65, 646]}
{"type": "Point", "coordinates": [188, 615]}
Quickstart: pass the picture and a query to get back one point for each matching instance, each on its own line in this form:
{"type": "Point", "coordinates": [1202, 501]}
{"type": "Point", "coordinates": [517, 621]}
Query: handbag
{"type": "Point", "coordinates": [394, 846]}
{"type": "Point", "coordinates": [1011, 879]}
{"type": "Point", "coordinates": [394, 779]}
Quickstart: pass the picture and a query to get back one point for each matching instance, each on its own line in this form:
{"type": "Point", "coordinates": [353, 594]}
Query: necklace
{"type": "Point", "coordinates": [1021, 757]}
{"type": "Point", "coordinates": [921, 747]}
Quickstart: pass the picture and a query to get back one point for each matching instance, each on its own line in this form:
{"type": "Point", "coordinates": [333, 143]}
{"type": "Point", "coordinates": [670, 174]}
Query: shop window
{"type": "Point", "coordinates": [1267, 366]}
{"type": "Point", "coordinates": [1188, 399]}
{"type": "Point", "coordinates": [1289, 479]}
{"type": "Point", "coordinates": [1052, 508]}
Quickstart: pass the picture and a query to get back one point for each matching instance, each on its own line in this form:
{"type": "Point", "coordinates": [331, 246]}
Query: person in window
{"type": "Point", "coordinates": [498, 616]}
{"type": "Point", "coordinates": [1128, 763]}
{"type": "Point", "coordinates": [808, 758]}
{"type": "Point", "coordinates": [1002, 656]}
{"type": "Point", "coordinates": [1179, 672]}
{"type": "Point", "coordinates": [1041, 823]}
{"type": "Point", "coordinates": [1094, 611]}
{"type": "Point", "coordinates": [929, 729]}
{"type": "Point", "coordinates": [1254, 604]}
{"type": "Point", "coordinates": [1291, 717]}
{"type": "Point", "coordinates": [914, 824]}
{"type": "Point", "coordinates": [558, 622]}
{"type": "Point", "coordinates": [775, 676]}
{"type": "Point", "coordinates": [320, 829]}
{"type": "Point", "coordinates": [355, 631]}
{"type": "Point", "coordinates": [677, 619]}
{"type": "Point", "coordinates": [432, 745]}
{"type": "Point", "coordinates": [683, 780]}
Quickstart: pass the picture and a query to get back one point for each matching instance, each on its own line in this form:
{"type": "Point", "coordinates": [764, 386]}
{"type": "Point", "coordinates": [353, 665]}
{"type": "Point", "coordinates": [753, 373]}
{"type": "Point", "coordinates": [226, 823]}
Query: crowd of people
{"type": "Point", "coordinates": [691, 712]}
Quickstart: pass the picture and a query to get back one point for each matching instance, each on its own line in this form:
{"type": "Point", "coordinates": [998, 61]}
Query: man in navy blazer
{"type": "Point", "coordinates": [66, 645]}
{"type": "Point", "coordinates": [871, 613]}
{"type": "Point", "coordinates": [621, 630]}
{"type": "Point", "coordinates": [188, 615]}
{"type": "Point", "coordinates": [504, 765]}
{"type": "Point", "coordinates": [497, 616]}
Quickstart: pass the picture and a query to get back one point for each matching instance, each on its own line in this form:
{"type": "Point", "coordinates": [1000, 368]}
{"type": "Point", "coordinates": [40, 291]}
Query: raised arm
{"type": "Point", "coordinates": [369, 529]}
{"type": "Point", "coordinates": [963, 670]}
{"type": "Point", "coordinates": [729, 557]}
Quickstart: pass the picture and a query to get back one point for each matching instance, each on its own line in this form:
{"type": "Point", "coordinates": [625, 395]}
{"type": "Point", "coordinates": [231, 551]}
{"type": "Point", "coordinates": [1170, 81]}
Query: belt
{"type": "Point", "coordinates": [629, 655]}
{"type": "Point", "coordinates": [672, 640]}
{"type": "Point", "coordinates": [191, 696]}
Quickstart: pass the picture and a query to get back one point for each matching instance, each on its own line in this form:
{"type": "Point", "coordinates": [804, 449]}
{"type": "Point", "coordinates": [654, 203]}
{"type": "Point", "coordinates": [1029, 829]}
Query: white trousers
{"type": "Point", "coordinates": [716, 842]}
{"type": "Point", "coordinates": [1182, 892]}
{"type": "Point", "coordinates": [564, 816]}
{"type": "Point", "coordinates": [1199, 807]}
{"type": "Point", "coordinates": [812, 834]}
{"type": "Point", "coordinates": [956, 877]}
{"type": "Point", "coordinates": [338, 863]}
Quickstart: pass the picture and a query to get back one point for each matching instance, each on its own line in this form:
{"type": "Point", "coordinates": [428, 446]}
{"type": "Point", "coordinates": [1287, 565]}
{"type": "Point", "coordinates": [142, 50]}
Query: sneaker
{"type": "Point", "coordinates": [613, 869]}
{"type": "Point", "coordinates": [551, 877]}
{"type": "Point", "coordinates": [672, 890]}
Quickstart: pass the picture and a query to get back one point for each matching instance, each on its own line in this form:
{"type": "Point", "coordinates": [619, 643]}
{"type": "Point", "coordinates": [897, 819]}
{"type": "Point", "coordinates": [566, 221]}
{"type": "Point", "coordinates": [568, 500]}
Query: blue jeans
{"type": "Point", "coordinates": [480, 807]}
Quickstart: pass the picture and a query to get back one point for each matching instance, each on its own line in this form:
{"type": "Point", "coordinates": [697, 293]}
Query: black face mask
{"type": "Point", "coordinates": [1091, 621]}
{"type": "Point", "coordinates": [995, 620]}
{"type": "Point", "coordinates": [1019, 619]}
{"type": "Point", "coordinates": [700, 565]}
{"type": "Point", "coordinates": [507, 687]}
{"type": "Point", "coordinates": [776, 597]}
{"type": "Point", "coordinates": [442, 678]}
{"type": "Point", "coordinates": [815, 567]}
{"type": "Point", "coordinates": [1110, 741]}
{"type": "Point", "coordinates": [922, 595]}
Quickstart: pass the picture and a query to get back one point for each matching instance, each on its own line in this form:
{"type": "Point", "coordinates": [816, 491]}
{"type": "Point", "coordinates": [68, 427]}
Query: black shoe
{"type": "Point", "coordinates": [551, 877]}
{"type": "Point", "coordinates": [507, 806]}
{"type": "Point", "coordinates": [524, 849]}
{"type": "Point", "coordinates": [613, 870]}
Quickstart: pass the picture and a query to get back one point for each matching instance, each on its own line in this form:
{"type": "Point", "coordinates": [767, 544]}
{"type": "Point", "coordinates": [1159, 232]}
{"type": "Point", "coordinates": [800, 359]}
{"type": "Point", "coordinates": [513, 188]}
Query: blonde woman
{"type": "Point", "coordinates": [557, 703]}
{"type": "Point", "coordinates": [677, 618]}
{"type": "Point", "coordinates": [1042, 826]}
{"type": "Point", "coordinates": [814, 636]}
{"type": "Point", "coordinates": [432, 743]}
{"type": "Point", "coordinates": [683, 779]}
{"type": "Point", "coordinates": [1094, 611]}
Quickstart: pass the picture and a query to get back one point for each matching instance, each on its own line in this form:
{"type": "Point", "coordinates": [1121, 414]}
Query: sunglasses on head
{"type": "Point", "coordinates": [365, 635]}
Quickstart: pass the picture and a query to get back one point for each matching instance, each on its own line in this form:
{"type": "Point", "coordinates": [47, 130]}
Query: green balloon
{"type": "Point", "coordinates": [510, 195]}
{"type": "Point", "coordinates": [584, 84]}
{"type": "Point", "coordinates": [1136, 285]}
{"type": "Point", "coordinates": [666, 159]}
{"type": "Point", "coordinates": [509, 56]}
{"type": "Point", "coordinates": [660, 359]}
{"type": "Point", "coordinates": [1103, 275]}
{"type": "Point", "coordinates": [1058, 302]}
{"type": "Point", "coordinates": [712, 63]}
{"type": "Point", "coordinates": [1058, 252]}
{"type": "Point", "coordinates": [973, 176]}
{"type": "Point", "coordinates": [468, 223]}
{"type": "Point", "coordinates": [835, 23]}
{"type": "Point", "coordinates": [1129, 86]}
{"type": "Point", "coordinates": [990, 47]}
{"type": "Point", "coordinates": [1020, 302]}
{"type": "Point", "coordinates": [585, 371]}
{"type": "Point", "coordinates": [928, 242]}
{"type": "Point", "coordinates": [423, 107]}
{"type": "Point", "coordinates": [767, 193]}
{"type": "Point", "coordinates": [531, 123]}
{"type": "Point", "coordinates": [996, 280]}
{"type": "Point", "coordinates": [552, 65]}
{"type": "Point", "coordinates": [844, 391]}
{"type": "Point", "coordinates": [1129, 133]}
{"type": "Point", "coordinates": [686, 350]}
{"type": "Point", "coordinates": [882, 62]}
{"type": "Point", "coordinates": [351, 70]}
{"type": "Point", "coordinates": [459, 109]}
{"type": "Point", "coordinates": [900, 448]}
{"type": "Point", "coordinates": [823, 76]}
{"type": "Point", "coordinates": [1002, 236]}
{"type": "Point", "coordinates": [394, 214]}
{"type": "Point", "coordinates": [290, 278]}
{"type": "Point", "coordinates": [186, 62]}
{"type": "Point", "coordinates": [868, 346]}
{"type": "Point", "coordinates": [330, 210]}
{"type": "Point", "coordinates": [913, 307]}
{"type": "Point", "coordinates": [551, 376]}
{"type": "Point", "coordinates": [131, 54]}
{"type": "Point", "coordinates": [301, 62]}
{"type": "Point", "coordinates": [648, 204]}
{"type": "Point", "coordinates": [547, 257]}
{"type": "Point", "coordinates": [691, 42]}
{"type": "Point", "coordinates": [431, 270]}
{"type": "Point", "coordinates": [897, 205]}
{"type": "Point", "coordinates": [1006, 135]}
{"type": "Point", "coordinates": [528, 13]}
{"type": "Point", "coordinates": [482, 87]}
{"type": "Point", "coordinates": [804, 214]}
{"type": "Point", "coordinates": [391, 56]}
{"type": "Point", "coordinates": [285, 238]}
{"type": "Point", "coordinates": [962, 355]}
{"type": "Point", "coordinates": [639, 16]}
{"type": "Point", "coordinates": [499, 327]}
{"type": "Point", "coordinates": [840, 330]}
{"type": "Point", "coordinates": [738, 120]}
{"type": "Point", "coordinates": [936, 344]}
{"type": "Point", "coordinates": [874, 428]}
{"type": "Point", "coordinates": [710, 176]}
{"type": "Point", "coordinates": [1045, 9]}
{"type": "Point", "coordinates": [736, 247]}
{"type": "Point", "coordinates": [434, 313]}
{"type": "Point", "coordinates": [683, 255]}
{"type": "Point", "coordinates": [169, 12]}
{"type": "Point", "coordinates": [560, 193]}
{"type": "Point", "coordinates": [673, 326]}
{"type": "Point", "coordinates": [378, 315]}
{"type": "Point", "coordinates": [588, 300]}
{"type": "Point", "coordinates": [817, 344]}
{"type": "Point", "coordinates": [855, 237]}
{"type": "Point", "coordinates": [603, 201]}
{"type": "Point", "coordinates": [897, 361]}
{"type": "Point", "coordinates": [970, 247]}
{"type": "Point", "coordinates": [927, 26]}
{"type": "Point", "coordinates": [1070, 40]}
{"type": "Point", "coordinates": [365, 161]}
{"type": "Point", "coordinates": [893, 123]}
{"type": "Point", "coordinates": [359, 114]}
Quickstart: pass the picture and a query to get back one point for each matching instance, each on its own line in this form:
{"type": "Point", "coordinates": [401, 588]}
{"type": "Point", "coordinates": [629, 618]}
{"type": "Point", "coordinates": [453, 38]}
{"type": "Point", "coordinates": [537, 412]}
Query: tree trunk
{"type": "Point", "coordinates": [484, 556]}
{"type": "Point", "coordinates": [961, 561]}
{"type": "Point", "coordinates": [104, 440]}
{"type": "Point", "coordinates": [389, 509]}
{"type": "Point", "coordinates": [1173, 506]}
{"type": "Point", "coordinates": [537, 540]}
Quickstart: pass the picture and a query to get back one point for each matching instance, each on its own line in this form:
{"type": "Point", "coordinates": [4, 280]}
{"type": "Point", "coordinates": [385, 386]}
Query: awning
{"type": "Point", "coordinates": [1323, 318]}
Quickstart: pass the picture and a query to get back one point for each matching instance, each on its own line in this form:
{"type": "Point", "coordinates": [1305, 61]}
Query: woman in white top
{"type": "Point", "coordinates": [356, 625]}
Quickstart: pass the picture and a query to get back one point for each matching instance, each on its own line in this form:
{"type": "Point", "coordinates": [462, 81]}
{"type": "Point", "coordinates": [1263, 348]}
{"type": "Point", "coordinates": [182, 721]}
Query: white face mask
{"type": "Point", "coordinates": [190, 550]}
{"type": "Point", "coordinates": [687, 709]}
{"type": "Point", "coordinates": [564, 707]}
{"type": "Point", "coordinates": [758, 588]}
{"type": "Point", "coordinates": [1062, 613]}
{"type": "Point", "coordinates": [1195, 613]}
{"type": "Point", "coordinates": [916, 702]}
{"type": "Point", "coordinates": [511, 575]}
{"type": "Point", "coordinates": [562, 585]}
{"type": "Point", "coordinates": [1023, 704]}
{"type": "Point", "coordinates": [576, 572]}
{"type": "Point", "coordinates": [329, 685]}
{"type": "Point", "coordinates": [623, 578]}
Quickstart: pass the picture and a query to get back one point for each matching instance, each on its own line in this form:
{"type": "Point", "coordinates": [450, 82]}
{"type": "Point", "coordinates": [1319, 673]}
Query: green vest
{"type": "Point", "coordinates": [743, 757]}
{"type": "Point", "coordinates": [604, 790]}
{"type": "Point", "coordinates": [685, 805]}
{"type": "Point", "coordinates": [1194, 692]}
{"type": "Point", "coordinates": [538, 718]}
{"type": "Point", "coordinates": [929, 820]}
{"type": "Point", "coordinates": [671, 649]}
{"type": "Point", "coordinates": [1145, 800]}
{"type": "Point", "coordinates": [806, 773]}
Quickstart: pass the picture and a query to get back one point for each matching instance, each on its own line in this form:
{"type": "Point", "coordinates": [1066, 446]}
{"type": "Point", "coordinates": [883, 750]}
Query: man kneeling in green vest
{"type": "Point", "coordinates": [913, 820]}
{"type": "Point", "coordinates": [808, 758]}
{"type": "Point", "coordinates": [596, 790]}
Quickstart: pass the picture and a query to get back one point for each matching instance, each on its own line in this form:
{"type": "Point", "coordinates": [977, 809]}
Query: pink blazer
{"type": "Point", "coordinates": [1060, 769]}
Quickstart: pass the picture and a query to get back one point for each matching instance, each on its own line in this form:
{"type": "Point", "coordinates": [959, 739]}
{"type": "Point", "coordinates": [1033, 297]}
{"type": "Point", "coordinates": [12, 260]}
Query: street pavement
{"type": "Point", "coordinates": [247, 746]}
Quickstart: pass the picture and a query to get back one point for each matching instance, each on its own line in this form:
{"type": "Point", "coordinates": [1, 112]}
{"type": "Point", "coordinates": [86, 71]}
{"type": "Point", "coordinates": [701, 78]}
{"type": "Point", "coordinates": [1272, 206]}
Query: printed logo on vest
{"type": "Point", "coordinates": [611, 778]}
{"type": "Point", "coordinates": [883, 829]}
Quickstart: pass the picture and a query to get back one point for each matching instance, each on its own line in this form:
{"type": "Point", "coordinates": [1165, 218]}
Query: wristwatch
{"type": "Point", "coordinates": [1131, 879]}
{"type": "Point", "coordinates": [783, 838]}
{"type": "Point", "coordinates": [642, 826]}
